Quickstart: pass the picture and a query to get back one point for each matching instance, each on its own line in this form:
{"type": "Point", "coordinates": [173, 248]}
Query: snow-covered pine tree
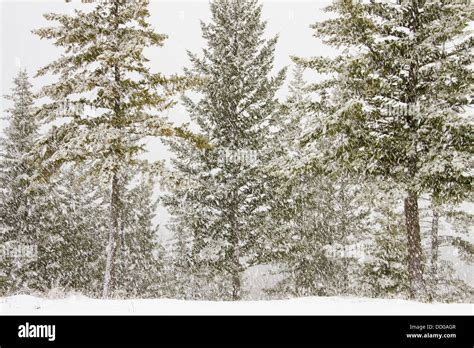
{"type": "Point", "coordinates": [448, 233]}
{"type": "Point", "coordinates": [186, 276]}
{"type": "Point", "coordinates": [108, 98]}
{"type": "Point", "coordinates": [55, 222]}
{"type": "Point", "coordinates": [72, 235]}
{"type": "Point", "coordinates": [461, 220]}
{"type": "Point", "coordinates": [320, 218]}
{"type": "Point", "coordinates": [139, 264]}
{"type": "Point", "coordinates": [18, 205]}
{"type": "Point", "coordinates": [385, 272]}
{"type": "Point", "coordinates": [324, 237]}
{"type": "Point", "coordinates": [223, 204]}
{"type": "Point", "coordinates": [396, 100]}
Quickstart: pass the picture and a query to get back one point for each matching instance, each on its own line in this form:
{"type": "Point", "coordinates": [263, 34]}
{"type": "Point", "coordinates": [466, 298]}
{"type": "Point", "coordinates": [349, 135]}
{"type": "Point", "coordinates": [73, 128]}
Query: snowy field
{"type": "Point", "coordinates": [78, 305]}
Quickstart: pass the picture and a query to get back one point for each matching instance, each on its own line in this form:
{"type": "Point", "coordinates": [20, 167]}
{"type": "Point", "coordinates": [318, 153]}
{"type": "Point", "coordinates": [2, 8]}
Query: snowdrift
{"type": "Point", "coordinates": [79, 305]}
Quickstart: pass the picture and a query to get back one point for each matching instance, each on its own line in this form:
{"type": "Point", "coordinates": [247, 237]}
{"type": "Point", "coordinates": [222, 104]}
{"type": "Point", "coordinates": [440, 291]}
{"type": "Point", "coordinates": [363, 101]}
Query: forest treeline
{"type": "Point", "coordinates": [359, 184]}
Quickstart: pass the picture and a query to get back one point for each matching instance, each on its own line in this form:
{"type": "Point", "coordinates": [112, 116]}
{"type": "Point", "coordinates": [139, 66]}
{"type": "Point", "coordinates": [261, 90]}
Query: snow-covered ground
{"type": "Point", "coordinates": [78, 305]}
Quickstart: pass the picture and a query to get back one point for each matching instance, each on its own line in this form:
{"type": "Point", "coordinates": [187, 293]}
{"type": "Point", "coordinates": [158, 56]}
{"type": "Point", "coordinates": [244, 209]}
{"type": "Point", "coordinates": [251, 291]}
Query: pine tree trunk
{"type": "Point", "coordinates": [434, 240]}
{"type": "Point", "coordinates": [114, 231]}
{"type": "Point", "coordinates": [236, 293]}
{"type": "Point", "coordinates": [112, 246]}
{"type": "Point", "coordinates": [434, 250]}
{"type": "Point", "coordinates": [415, 259]}
{"type": "Point", "coordinates": [236, 284]}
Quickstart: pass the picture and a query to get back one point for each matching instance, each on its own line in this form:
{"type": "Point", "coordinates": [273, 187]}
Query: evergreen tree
{"type": "Point", "coordinates": [324, 237]}
{"type": "Point", "coordinates": [444, 283]}
{"type": "Point", "coordinates": [72, 236]}
{"type": "Point", "coordinates": [108, 98]}
{"type": "Point", "coordinates": [320, 218]}
{"type": "Point", "coordinates": [223, 203]}
{"type": "Point", "coordinates": [461, 220]}
{"type": "Point", "coordinates": [18, 205]}
{"type": "Point", "coordinates": [187, 277]}
{"type": "Point", "coordinates": [140, 262]}
{"type": "Point", "coordinates": [385, 273]}
{"type": "Point", "coordinates": [20, 136]}
{"type": "Point", "coordinates": [55, 222]}
{"type": "Point", "coordinates": [395, 103]}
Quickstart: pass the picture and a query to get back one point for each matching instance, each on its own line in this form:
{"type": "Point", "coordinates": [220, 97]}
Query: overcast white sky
{"type": "Point", "coordinates": [178, 19]}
